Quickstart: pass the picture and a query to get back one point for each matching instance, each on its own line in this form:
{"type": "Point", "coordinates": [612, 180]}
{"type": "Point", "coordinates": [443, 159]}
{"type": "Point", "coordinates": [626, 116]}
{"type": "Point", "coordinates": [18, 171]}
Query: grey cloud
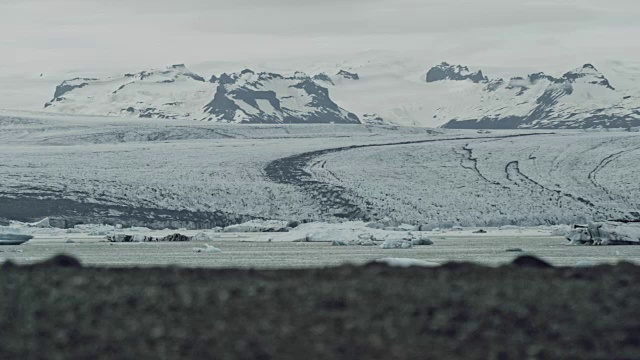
{"type": "Point", "coordinates": [71, 32]}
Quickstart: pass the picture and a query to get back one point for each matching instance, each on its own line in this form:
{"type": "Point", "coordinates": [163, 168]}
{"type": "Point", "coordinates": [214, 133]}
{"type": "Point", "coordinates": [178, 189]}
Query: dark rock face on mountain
{"type": "Point", "coordinates": [249, 97]}
{"type": "Point", "coordinates": [67, 86]}
{"type": "Point", "coordinates": [374, 119]}
{"type": "Point", "coordinates": [323, 77]}
{"type": "Point", "coordinates": [445, 71]}
{"type": "Point", "coordinates": [581, 98]}
{"type": "Point", "coordinates": [348, 75]}
{"type": "Point", "coordinates": [589, 71]}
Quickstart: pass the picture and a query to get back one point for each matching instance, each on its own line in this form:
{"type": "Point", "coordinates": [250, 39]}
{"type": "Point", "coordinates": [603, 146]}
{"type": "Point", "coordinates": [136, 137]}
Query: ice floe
{"type": "Point", "coordinates": [406, 262]}
{"type": "Point", "coordinates": [207, 248]}
{"type": "Point", "coordinates": [259, 226]}
{"type": "Point", "coordinates": [605, 233]}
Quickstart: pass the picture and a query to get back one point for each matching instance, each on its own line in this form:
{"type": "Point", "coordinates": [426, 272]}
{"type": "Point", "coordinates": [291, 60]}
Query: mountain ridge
{"type": "Point", "coordinates": [580, 98]}
{"type": "Point", "coordinates": [446, 95]}
{"type": "Point", "coordinates": [177, 93]}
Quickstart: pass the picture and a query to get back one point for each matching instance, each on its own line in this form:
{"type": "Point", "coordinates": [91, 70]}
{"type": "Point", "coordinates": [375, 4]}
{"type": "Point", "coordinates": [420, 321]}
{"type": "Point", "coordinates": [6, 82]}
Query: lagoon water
{"type": "Point", "coordinates": [246, 250]}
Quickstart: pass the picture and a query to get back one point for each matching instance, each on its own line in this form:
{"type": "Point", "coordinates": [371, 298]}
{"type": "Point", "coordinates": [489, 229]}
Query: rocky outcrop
{"type": "Point", "coordinates": [348, 75]}
{"type": "Point", "coordinates": [446, 71]}
{"type": "Point", "coordinates": [322, 77]}
{"type": "Point", "coordinates": [250, 97]}
{"type": "Point", "coordinates": [67, 86]}
{"type": "Point", "coordinates": [374, 119]}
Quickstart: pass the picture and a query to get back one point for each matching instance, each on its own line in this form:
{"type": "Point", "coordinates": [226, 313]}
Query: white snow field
{"type": "Point", "coordinates": [146, 172]}
{"type": "Point", "coordinates": [567, 177]}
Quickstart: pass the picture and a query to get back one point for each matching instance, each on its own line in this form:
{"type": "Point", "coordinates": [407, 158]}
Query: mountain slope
{"type": "Point", "coordinates": [177, 93]}
{"type": "Point", "coordinates": [387, 87]}
{"type": "Point", "coordinates": [581, 98]}
{"type": "Point", "coordinates": [249, 97]}
{"type": "Point", "coordinates": [172, 93]}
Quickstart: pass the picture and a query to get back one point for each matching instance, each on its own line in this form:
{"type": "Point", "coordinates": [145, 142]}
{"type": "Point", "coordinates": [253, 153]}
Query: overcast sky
{"type": "Point", "coordinates": [47, 35]}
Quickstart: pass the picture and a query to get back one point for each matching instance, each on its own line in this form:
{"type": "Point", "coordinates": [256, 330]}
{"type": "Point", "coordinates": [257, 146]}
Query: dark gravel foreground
{"type": "Point", "coordinates": [457, 311]}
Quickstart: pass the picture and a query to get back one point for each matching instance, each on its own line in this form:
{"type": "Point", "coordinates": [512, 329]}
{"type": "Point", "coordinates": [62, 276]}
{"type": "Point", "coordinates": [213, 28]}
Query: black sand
{"type": "Point", "coordinates": [458, 311]}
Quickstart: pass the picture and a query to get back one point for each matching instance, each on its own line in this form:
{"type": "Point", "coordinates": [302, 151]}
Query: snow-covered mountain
{"type": "Point", "coordinates": [177, 93]}
{"type": "Point", "coordinates": [581, 98]}
{"type": "Point", "coordinates": [249, 97]}
{"type": "Point", "coordinates": [388, 88]}
{"type": "Point", "coordinates": [173, 93]}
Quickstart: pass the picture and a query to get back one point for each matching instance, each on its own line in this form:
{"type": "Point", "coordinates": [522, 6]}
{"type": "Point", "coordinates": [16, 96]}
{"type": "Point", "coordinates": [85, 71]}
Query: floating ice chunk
{"type": "Point", "coordinates": [351, 232]}
{"type": "Point", "coordinates": [406, 262]}
{"type": "Point", "coordinates": [559, 230]}
{"type": "Point", "coordinates": [14, 239]}
{"type": "Point", "coordinates": [203, 236]}
{"type": "Point", "coordinates": [605, 233]}
{"type": "Point", "coordinates": [396, 244]}
{"type": "Point", "coordinates": [143, 238]}
{"type": "Point", "coordinates": [364, 241]}
{"type": "Point", "coordinates": [207, 248]}
{"type": "Point", "coordinates": [578, 236]}
{"type": "Point", "coordinates": [259, 226]}
{"type": "Point", "coordinates": [44, 223]}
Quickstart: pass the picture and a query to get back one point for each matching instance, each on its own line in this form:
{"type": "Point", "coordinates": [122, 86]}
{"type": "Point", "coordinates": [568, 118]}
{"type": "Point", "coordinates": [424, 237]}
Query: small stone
{"type": "Point", "coordinates": [531, 262]}
{"type": "Point", "coordinates": [422, 241]}
{"type": "Point", "coordinates": [65, 261]}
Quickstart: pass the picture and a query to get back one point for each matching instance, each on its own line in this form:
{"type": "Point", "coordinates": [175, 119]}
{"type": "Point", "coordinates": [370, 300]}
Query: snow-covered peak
{"type": "Point", "coordinates": [246, 96]}
{"type": "Point", "coordinates": [588, 74]}
{"type": "Point", "coordinates": [535, 77]}
{"type": "Point", "coordinates": [250, 97]}
{"type": "Point", "coordinates": [174, 92]}
{"type": "Point", "coordinates": [446, 71]}
{"type": "Point", "coordinates": [170, 73]}
{"type": "Point", "coordinates": [580, 98]}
